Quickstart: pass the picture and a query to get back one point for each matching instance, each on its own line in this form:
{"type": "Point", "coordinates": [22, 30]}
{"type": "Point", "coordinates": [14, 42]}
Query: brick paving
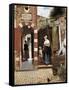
{"type": "Point", "coordinates": [35, 77]}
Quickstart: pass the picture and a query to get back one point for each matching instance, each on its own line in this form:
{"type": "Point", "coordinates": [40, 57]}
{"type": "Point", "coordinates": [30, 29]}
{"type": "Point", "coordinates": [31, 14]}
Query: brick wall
{"type": "Point", "coordinates": [18, 20]}
{"type": "Point", "coordinates": [17, 41]}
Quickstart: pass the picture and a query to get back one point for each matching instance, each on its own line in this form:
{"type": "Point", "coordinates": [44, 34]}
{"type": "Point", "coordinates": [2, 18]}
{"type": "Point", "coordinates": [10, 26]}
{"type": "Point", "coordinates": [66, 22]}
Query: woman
{"type": "Point", "coordinates": [26, 51]}
{"type": "Point", "coordinates": [46, 51]}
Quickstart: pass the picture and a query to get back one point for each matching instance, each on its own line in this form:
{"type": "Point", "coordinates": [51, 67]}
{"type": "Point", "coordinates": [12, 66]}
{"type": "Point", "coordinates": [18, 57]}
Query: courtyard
{"type": "Point", "coordinates": [37, 76]}
{"type": "Point", "coordinates": [40, 45]}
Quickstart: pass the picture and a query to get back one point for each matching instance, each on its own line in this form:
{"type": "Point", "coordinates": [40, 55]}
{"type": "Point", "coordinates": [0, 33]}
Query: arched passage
{"type": "Point", "coordinates": [27, 56]}
{"type": "Point", "coordinates": [41, 34]}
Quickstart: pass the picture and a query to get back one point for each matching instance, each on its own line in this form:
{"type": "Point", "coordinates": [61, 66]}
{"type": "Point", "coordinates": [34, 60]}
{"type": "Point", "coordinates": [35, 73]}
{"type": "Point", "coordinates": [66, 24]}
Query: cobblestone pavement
{"type": "Point", "coordinates": [35, 77]}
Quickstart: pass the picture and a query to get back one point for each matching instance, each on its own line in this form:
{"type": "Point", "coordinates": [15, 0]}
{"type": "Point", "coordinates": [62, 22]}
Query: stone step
{"type": "Point", "coordinates": [44, 66]}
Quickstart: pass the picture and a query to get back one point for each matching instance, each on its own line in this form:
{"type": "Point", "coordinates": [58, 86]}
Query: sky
{"type": "Point", "coordinates": [44, 11]}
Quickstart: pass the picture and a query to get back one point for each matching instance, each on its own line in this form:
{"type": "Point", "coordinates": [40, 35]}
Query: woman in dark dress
{"type": "Point", "coordinates": [46, 51]}
{"type": "Point", "coordinates": [26, 51]}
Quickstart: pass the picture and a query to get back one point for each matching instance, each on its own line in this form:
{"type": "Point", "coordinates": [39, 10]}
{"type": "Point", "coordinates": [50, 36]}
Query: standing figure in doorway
{"type": "Point", "coordinates": [46, 51]}
{"type": "Point", "coordinates": [26, 51]}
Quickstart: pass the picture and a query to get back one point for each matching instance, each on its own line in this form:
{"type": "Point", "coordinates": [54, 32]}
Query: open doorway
{"type": "Point", "coordinates": [27, 48]}
{"type": "Point", "coordinates": [43, 49]}
{"type": "Point", "coordinates": [27, 44]}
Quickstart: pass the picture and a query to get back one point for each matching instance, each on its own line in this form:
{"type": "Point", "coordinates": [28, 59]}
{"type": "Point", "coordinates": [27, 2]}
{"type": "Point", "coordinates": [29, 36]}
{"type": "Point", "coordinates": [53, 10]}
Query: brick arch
{"type": "Point", "coordinates": [25, 31]}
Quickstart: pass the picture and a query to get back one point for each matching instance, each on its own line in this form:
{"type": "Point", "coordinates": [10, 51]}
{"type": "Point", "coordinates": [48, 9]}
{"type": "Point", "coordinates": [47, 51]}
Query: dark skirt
{"type": "Point", "coordinates": [26, 55]}
{"type": "Point", "coordinates": [47, 59]}
{"type": "Point", "coordinates": [47, 55]}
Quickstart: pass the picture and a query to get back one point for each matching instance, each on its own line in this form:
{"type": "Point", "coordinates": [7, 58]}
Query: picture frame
{"type": "Point", "coordinates": [37, 44]}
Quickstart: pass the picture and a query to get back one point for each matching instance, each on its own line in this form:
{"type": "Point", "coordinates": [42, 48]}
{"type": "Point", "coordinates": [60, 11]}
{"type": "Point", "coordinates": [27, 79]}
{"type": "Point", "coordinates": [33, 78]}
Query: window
{"type": "Point", "coordinates": [26, 8]}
